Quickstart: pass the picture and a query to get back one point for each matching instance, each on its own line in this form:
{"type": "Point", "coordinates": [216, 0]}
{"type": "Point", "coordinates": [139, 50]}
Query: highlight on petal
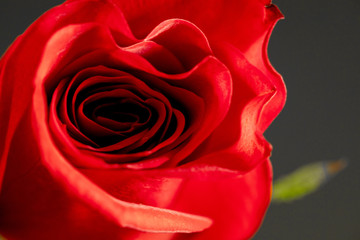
{"type": "Point", "coordinates": [243, 198]}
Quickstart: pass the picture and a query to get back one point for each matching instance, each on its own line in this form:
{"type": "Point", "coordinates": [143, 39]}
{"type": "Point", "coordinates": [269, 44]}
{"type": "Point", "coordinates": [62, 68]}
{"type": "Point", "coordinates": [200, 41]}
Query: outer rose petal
{"type": "Point", "coordinates": [236, 204]}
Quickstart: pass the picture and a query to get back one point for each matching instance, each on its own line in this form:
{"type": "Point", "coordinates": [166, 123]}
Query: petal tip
{"type": "Point", "coordinates": [273, 13]}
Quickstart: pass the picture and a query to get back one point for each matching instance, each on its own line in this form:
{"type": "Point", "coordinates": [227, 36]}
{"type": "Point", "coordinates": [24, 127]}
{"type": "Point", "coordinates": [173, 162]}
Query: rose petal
{"type": "Point", "coordinates": [54, 119]}
{"type": "Point", "coordinates": [243, 199]}
{"type": "Point", "coordinates": [9, 118]}
{"type": "Point", "coordinates": [169, 32]}
{"type": "Point", "coordinates": [243, 145]}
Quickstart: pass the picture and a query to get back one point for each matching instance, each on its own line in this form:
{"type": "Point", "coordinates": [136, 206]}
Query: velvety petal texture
{"type": "Point", "coordinates": [138, 120]}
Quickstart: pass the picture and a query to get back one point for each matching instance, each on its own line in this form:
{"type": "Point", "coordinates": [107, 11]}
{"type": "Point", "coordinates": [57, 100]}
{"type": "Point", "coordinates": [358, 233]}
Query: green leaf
{"type": "Point", "coordinates": [305, 180]}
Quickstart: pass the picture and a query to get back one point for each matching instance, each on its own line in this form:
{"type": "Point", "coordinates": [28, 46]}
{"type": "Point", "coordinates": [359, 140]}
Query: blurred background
{"type": "Point", "coordinates": [316, 49]}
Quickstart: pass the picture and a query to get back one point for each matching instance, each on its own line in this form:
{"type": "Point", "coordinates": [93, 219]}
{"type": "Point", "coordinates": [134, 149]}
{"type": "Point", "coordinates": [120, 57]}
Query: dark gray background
{"type": "Point", "coordinates": [316, 49]}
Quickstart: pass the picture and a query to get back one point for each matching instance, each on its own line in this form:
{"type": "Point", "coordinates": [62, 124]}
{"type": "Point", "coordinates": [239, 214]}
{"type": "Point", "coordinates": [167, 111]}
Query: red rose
{"type": "Point", "coordinates": [138, 120]}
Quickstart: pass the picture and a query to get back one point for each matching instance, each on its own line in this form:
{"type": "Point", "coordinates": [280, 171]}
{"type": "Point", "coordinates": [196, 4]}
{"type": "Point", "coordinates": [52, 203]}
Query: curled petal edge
{"type": "Point", "coordinates": [257, 54]}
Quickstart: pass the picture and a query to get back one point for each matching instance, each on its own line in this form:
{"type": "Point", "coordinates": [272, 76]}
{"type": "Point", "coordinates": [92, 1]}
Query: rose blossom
{"type": "Point", "coordinates": [138, 120]}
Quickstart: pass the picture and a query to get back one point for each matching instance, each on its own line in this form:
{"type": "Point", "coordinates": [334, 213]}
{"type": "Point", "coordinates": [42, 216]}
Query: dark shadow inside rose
{"type": "Point", "coordinates": [124, 116]}
{"type": "Point", "coordinates": [120, 114]}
